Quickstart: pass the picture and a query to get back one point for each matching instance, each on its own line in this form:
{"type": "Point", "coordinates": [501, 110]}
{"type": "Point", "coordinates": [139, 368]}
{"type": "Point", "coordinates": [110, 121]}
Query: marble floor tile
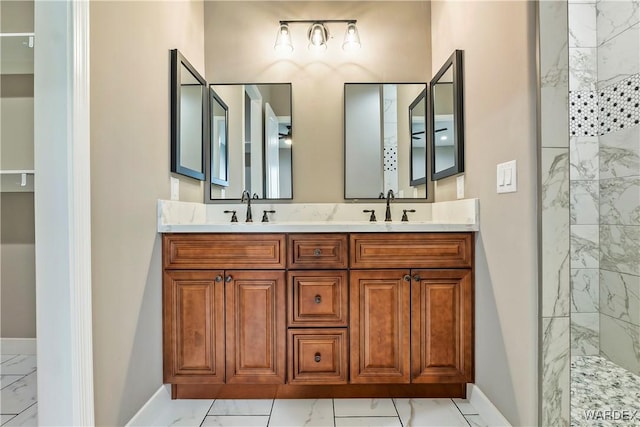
{"type": "Point", "coordinates": [476, 421]}
{"type": "Point", "coordinates": [364, 408]}
{"type": "Point", "coordinates": [28, 418]}
{"type": "Point", "coordinates": [465, 407]}
{"type": "Point", "coordinates": [429, 412]}
{"type": "Point", "coordinates": [241, 407]}
{"type": "Point", "coordinates": [368, 422]}
{"type": "Point", "coordinates": [6, 380]}
{"type": "Point", "coordinates": [236, 421]}
{"type": "Point", "coordinates": [6, 357]}
{"type": "Point", "coordinates": [183, 412]}
{"type": "Point", "coordinates": [18, 396]}
{"type": "Point", "coordinates": [302, 412]}
{"type": "Point", "coordinates": [20, 365]}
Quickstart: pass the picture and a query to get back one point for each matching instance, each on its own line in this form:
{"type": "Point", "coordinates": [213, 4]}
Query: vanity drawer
{"type": "Point", "coordinates": [225, 251]}
{"type": "Point", "coordinates": [318, 298]}
{"type": "Point", "coordinates": [318, 251]}
{"type": "Point", "coordinates": [317, 356]}
{"type": "Point", "coordinates": [411, 250]}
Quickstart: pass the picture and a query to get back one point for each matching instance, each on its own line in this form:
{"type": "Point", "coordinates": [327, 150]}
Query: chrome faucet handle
{"type": "Point", "coordinates": [372, 218]}
{"type": "Point", "coordinates": [265, 217]}
{"type": "Point", "coordinates": [234, 218]}
{"type": "Point", "coordinates": [381, 195]}
{"type": "Point", "coordinates": [255, 196]}
{"type": "Point", "coordinates": [404, 214]}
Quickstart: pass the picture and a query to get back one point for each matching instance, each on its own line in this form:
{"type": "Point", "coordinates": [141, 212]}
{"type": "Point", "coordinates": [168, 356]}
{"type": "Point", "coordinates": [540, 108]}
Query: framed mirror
{"type": "Point", "coordinates": [259, 142]}
{"type": "Point", "coordinates": [379, 149]}
{"type": "Point", "coordinates": [218, 147]}
{"type": "Point", "coordinates": [418, 132]}
{"type": "Point", "coordinates": [446, 119]}
{"type": "Point", "coordinates": [188, 118]}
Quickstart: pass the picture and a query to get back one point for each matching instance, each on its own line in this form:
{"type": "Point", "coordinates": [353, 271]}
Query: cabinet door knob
{"type": "Point", "coordinates": [218, 278]}
{"type": "Point", "coordinates": [228, 279]}
{"type": "Point", "coordinates": [318, 299]}
{"type": "Point", "coordinates": [416, 277]}
{"type": "Point", "coordinates": [317, 357]}
{"type": "Point", "coordinates": [407, 278]}
{"type": "Point", "coordinates": [317, 252]}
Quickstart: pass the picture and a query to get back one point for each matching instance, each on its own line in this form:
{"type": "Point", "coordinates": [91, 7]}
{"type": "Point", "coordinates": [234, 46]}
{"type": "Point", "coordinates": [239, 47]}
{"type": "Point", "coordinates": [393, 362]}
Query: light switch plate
{"type": "Point", "coordinates": [175, 188]}
{"type": "Point", "coordinates": [460, 187]}
{"type": "Point", "coordinates": [506, 177]}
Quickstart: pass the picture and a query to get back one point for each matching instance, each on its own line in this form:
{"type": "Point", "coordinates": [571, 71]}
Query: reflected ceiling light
{"type": "Point", "coordinates": [283, 40]}
{"type": "Point", "coordinates": [318, 34]}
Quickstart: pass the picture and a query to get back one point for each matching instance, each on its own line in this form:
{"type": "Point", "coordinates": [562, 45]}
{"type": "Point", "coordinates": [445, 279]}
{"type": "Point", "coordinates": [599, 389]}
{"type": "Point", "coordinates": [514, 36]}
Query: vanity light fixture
{"type": "Point", "coordinates": [318, 34]}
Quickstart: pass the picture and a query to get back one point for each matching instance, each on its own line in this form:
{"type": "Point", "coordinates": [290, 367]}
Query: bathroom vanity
{"type": "Point", "coordinates": [286, 310]}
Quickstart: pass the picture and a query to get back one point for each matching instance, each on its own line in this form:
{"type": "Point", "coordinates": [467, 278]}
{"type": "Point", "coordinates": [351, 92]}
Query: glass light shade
{"type": "Point", "coordinates": [283, 40]}
{"type": "Point", "coordinates": [351, 37]}
{"type": "Point", "coordinates": [318, 35]}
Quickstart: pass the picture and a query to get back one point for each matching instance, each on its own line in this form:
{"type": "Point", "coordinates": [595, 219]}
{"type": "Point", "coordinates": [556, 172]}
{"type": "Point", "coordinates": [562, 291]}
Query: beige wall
{"type": "Point", "coordinates": [130, 43]}
{"type": "Point", "coordinates": [17, 266]}
{"type": "Point", "coordinates": [498, 39]}
{"type": "Point", "coordinates": [239, 39]}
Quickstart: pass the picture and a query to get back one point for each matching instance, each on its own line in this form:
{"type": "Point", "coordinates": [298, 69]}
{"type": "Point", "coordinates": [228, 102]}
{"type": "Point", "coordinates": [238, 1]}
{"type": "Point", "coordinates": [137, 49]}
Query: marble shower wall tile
{"type": "Point", "coordinates": [555, 372]}
{"type": "Point", "coordinates": [620, 296]}
{"type": "Point", "coordinates": [585, 334]}
{"type": "Point", "coordinates": [554, 72]}
{"type": "Point", "coordinates": [582, 25]}
{"type": "Point", "coordinates": [619, 58]}
{"type": "Point", "coordinates": [620, 153]}
{"type": "Point", "coordinates": [620, 201]}
{"type": "Point", "coordinates": [620, 343]}
{"type": "Point", "coordinates": [583, 70]}
{"type": "Point", "coordinates": [585, 294]}
{"type": "Point", "coordinates": [584, 202]}
{"type": "Point", "coordinates": [620, 248]}
{"type": "Point", "coordinates": [584, 246]}
{"type": "Point", "coordinates": [584, 158]}
{"type": "Point", "coordinates": [614, 17]}
{"type": "Point", "coordinates": [555, 232]}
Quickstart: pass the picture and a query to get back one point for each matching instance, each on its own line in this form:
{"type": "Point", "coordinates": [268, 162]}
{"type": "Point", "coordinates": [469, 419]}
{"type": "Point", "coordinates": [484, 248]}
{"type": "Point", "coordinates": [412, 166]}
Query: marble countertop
{"type": "Point", "coordinates": [185, 217]}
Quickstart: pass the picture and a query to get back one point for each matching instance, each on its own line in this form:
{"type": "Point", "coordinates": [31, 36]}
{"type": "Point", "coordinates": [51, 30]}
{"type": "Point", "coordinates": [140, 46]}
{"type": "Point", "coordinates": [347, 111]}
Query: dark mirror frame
{"type": "Point", "coordinates": [420, 98]}
{"type": "Point", "coordinates": [177, 61]}
{"type": "Point", "coordinates": [456, 63]}
{"type": "Point", "coordinates": [213, 97]}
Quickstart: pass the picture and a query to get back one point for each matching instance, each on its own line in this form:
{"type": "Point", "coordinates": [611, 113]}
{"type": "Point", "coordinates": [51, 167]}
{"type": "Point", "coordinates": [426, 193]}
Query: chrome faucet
{"type": "Point", "coordinates": [247, 196]}
{"type": "Point", "coordinates": [390, 197]}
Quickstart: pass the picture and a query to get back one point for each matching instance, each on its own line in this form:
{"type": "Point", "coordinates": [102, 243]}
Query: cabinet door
{"type": "Point", "coordinates": [441, 326]}
{"type": "Point", "coordinates": [255, 303]}
{"type": "Point", "coordinates": [193, 318]}
{"type": "Point", "coordinates": [379, 326]}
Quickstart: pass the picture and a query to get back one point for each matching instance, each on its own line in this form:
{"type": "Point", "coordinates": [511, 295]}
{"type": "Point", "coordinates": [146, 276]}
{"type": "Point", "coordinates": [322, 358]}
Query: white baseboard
{"type": "Point", "coordinates": [147, 415]}
{"type": "Point", "coordinates": [17, 346]}
{"type": "Point", "coordinates": [487, 411]}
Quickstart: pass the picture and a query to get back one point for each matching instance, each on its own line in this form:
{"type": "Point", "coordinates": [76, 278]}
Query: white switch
{"type": "Point", "coordinates": [460, 187]}
{"type": "Point", "coordinates": [175, 188]}
{"type": "Point", "coordinates": [507, 177]}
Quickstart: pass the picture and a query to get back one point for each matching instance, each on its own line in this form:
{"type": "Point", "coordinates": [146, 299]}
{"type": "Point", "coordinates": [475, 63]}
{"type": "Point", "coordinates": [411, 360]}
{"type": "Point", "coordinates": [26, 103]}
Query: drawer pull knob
{"type": "Point", "coordinates": [407, 278]}
{"type": "Point", "coordinates": [317, 252]}
{"type": "Point", "coordinates": [317, 358]}
{"type": "Point", "coordinates": [318, 299]}
{"type": "Point", "coordinates": [218, 278]}
{"type": "Point", "coordinates": [416, 277]}
{"type": "Point", "coordinates": [228, 279]}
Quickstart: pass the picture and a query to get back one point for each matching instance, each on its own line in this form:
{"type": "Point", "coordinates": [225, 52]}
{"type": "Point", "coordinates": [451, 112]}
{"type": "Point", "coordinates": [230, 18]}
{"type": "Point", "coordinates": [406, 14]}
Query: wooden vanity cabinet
{"type": "Point", "coordinates": [317, 315]}
{"type": "Point", "coordinates": [412, 324]}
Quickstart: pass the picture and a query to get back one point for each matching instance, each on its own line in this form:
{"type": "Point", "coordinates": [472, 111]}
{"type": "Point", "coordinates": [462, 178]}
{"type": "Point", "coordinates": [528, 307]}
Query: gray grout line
{"type": "Point", "coordinates": [333, 408]}
{"type": "Point", "coordinates": [393, 401]}
{"type": "Point", "coordinates": [273, 403]}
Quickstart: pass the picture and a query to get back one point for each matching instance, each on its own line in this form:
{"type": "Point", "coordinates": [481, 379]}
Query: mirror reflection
{"type": "Point", "coordinates": [418, 125]}
{"type": "Point", "coordinates": [378, 144]}
{"type": "Point", "coordinates": [259, 143]}
{"type": "Point", "coordinates": [188, 109]}
{"type": "Point", "coordinates": [219, 137]}
{"type": "Point", "coordinates": [447, 121]}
